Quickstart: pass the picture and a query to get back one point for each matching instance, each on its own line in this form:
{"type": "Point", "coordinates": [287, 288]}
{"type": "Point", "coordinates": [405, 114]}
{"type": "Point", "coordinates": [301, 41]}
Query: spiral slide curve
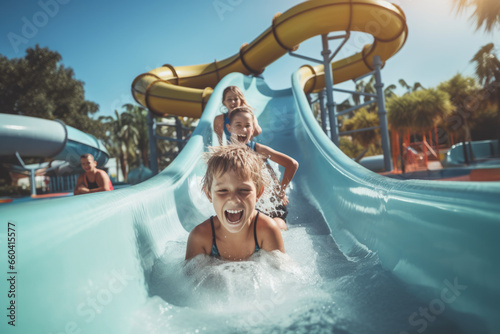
{"type": "Point", "coordinates": [185, 90]}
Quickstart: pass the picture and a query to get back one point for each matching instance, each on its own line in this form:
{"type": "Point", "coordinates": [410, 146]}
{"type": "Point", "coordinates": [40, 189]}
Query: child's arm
{"type": "Point", "coordinates": [197, 241]}
{"type": "Point", "coordinates": [103, 182]}
{"type": "Point", "coordinates": [80, 187]}
{"type": "Point", "coordinates": [219, 127]}
{"type": "Point", "coordinates": [257, 130]}
{"type": "Point", "coordinates": [290, 164]}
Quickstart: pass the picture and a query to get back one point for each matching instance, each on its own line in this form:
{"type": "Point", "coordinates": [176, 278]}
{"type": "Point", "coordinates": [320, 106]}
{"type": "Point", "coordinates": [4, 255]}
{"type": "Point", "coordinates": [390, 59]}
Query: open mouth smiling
{"type": "Point", "coordinates": [233, 216]}
{"type": "Point", "coordinates": [242, 138]}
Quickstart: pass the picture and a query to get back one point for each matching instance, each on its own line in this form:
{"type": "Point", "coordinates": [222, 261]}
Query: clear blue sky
{"type": "Point", "coordinates": [109, 43]}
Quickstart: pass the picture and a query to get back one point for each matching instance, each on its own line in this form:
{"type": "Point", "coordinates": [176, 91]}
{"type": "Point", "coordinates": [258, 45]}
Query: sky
{"type": "Point", "coordinates": [109, 43]}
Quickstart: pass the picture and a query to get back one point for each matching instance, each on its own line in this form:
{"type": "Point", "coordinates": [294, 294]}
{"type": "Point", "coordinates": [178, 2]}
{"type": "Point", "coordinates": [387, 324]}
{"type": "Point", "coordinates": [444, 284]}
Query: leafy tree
{"type": "Point", "coordinates": [138, 121]}
{"type": "Point", "coordinates": [463, 94]}
{"type": "Point", "coordinates": [40, 86]}
{"type": "Point", "coordinates": [363, 119]}
{"type": "Point", "coordinates": [121, 139]}
{"type": "Point", "coordinates": [488, 73]}
{"type": "Point", "coordinates": [350, 148]}
{"type": "Point", "coordinates": [410, 89]}
{"type": "Point", "coordinates": [431, 106]}
{"type": "Point", "coordinates": [486, 12]}
{"type": "Point", "coordinates": [418, 111]}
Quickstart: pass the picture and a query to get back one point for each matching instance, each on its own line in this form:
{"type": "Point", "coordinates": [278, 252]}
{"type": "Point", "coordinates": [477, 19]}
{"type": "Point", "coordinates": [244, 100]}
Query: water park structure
{"type": "Point", "coordinates": [88, 265]}
{"type": "Point", "coordinates": [24, 136]}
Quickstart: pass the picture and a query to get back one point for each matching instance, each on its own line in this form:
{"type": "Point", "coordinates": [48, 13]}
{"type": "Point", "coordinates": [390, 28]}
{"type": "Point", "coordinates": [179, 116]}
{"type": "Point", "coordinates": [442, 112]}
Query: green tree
{"type": "Point", "coordinates": [39, 85]}
{"type": "Point", "coordinates": [418, 111]}
{"type": "Point", "coordinates": [410, 89]}
{"type": "Point", "coordinates": [486, 12]}
{"type": "Point", "coordinates": [463, 94]}
{"type": "Point", "coordinates": [363, 119]}
{"type": "Point", "coordinates": [139, 116]}
{"type": "Point", "coordinates": [121, 139]}
{"type": "Point", "coordinates": [488, 73]}
{"type": "Point", "coordinates": [400, 115]}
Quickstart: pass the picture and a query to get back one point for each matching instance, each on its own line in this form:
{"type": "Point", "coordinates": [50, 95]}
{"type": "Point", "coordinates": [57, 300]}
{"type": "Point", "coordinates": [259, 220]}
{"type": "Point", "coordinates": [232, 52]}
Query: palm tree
{"type": "Point", "coordinates": [418, 112]}
{"type": "Point", "coordinates": [139, 115]}
{"type": "Point", "coordinates": [122, 139]}
{"type": "Point", "coordinates": [410, 89]}
{"type": "Point", "coordinates": [486, 12]}
{"type": "Point", "coordinates": [463, 94]}
{"type": "Point", "coordinates": [432, 106]}
{"type": "Point", "coordinates": [488, 73]}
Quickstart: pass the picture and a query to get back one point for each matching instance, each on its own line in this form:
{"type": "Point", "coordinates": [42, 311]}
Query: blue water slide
{"type": "Point", "coordinates": [83, 264]}
{"type": "Point", "coordinates": [37, 137]}
{"type": "Point", "coordinates": [481, 153]}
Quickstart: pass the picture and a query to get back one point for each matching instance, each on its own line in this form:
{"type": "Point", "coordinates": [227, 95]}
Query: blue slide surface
{"type": "Point", "coordinates": [83, 264]}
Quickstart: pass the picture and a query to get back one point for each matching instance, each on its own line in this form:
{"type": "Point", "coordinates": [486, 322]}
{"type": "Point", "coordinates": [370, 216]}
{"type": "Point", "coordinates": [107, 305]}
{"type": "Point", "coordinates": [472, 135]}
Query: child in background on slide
{"type": "Point", "coordinates": [233, 182]}
{"type": "Point", "coordinates": [241, 126]}
{"type": "Point", "coordinates": [93, 180]}
{"type": "Point", "coordinates": [232, 97]}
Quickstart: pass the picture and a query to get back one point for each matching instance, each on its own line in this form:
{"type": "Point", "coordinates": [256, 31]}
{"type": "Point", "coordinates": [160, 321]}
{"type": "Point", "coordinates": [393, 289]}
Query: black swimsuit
{"type": "Point", "coordinates": [215, 250]}
{"type": "Point", "coordinates": [91, 185]}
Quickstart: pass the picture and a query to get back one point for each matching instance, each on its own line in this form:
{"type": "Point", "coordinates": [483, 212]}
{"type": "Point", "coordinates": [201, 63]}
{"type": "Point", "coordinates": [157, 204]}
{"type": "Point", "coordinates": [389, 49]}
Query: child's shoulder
{"type": "Point", "coordinates": [201, 236]}
{"type": "Point", "coordinates": [269, 234]}
{"type": "Point", "coordinates": [199, 240]}
{"type": "Point", "coordinates": [202, 229]}
{"type": "Point", "coordinates": [101, 172]}
{"type": "Point", "coordinates": [266, 224]}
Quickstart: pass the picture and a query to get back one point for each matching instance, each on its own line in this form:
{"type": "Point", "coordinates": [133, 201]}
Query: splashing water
{"type": "Point", "coordinates": [269, 201]}
{"type": "Point", "coordinates": [314, 287]}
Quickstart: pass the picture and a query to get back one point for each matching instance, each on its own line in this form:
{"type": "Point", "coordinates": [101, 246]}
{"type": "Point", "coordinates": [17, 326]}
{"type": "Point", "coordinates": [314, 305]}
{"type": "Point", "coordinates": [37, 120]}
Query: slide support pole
{"type": "Point", "coordinates": [382, 114]}
{"type": "Point", "coordinates": [153, 159]}
{"type": "Point", "coordinates": [330, 104]}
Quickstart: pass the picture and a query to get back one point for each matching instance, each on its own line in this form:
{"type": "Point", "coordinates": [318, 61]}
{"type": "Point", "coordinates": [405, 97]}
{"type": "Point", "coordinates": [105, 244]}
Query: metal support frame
{"type": "Point", "coordinates": [382, 114]}
{"type": "Point", "coordinates": [32, 172]}
{"type": "Point", "coordinates": [330, 102]}
{"type": "Point", "coordinates": [331, 106]}
{"type": "Point", "coordinates": [153, 155]}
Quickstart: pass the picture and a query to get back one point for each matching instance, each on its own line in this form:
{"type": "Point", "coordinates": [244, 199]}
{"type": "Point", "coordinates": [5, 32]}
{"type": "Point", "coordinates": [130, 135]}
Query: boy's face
{"type": "Point", "coordinates": [234, 200]}
{"type": "Point", "coordinates": [241, 127]}
{"type": "Point", "coordinates": [231, 101]}
{"type": "Point", "coordinates": [88, 164]}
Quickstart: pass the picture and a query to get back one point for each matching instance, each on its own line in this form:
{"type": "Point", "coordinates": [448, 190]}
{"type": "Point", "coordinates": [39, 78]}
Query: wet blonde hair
{"type": "Point", "coordinates": [247, 164]}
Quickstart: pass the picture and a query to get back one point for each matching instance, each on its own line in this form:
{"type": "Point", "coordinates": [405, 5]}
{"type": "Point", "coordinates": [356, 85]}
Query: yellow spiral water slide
{"type": "Point", "coordinates": [184, 90]}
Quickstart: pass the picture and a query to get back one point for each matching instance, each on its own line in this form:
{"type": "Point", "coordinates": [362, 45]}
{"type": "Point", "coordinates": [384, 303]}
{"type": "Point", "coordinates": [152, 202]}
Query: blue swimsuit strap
{"type": "Point", "coordinates": [255, 233]}
{"type": "Point", "coordinates": [226, 131]}
{"type": "Point", "coordinates": [215, 250]}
